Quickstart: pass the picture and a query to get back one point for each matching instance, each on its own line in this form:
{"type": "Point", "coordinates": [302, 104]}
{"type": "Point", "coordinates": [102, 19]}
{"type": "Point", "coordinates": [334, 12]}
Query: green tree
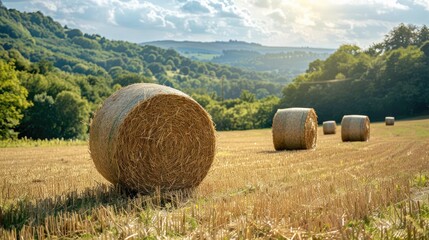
{"type": "Point", "coordinates": [156, 68]}
{"type": "Point", "coordinates": [40, 119]}
{"type": "Point", "coordinates": [203, 99]}
{"type": "Point", "coordinates": [74, 33]}
{"type": "Point", "coordinates": [86, 43]}
{"type": "Point", "coordinates": [185, 70]}
{"type": "Point", "coordinates": [12, 101]}
{"type": "Point", "coordinates": [423, 35]}
{"type": "Point", "coordinates": [339, 62]}
{"type": "Point", "coordinates": [72, 114]}
{"type": "Point", "coordinates": [401, 36]}
{"type": "Point", "coordinates": [247, 96]}
{"type": "Point", "coordinates": [126, 79]}
{"type": "Point", "coordinates": [44, 66]}
{"type": "Point", "coordinates": [263, 117]}
{"type": "Point", "coordinates": [218, 114]}
{"type": "Point", "coordinates": [425, 49]}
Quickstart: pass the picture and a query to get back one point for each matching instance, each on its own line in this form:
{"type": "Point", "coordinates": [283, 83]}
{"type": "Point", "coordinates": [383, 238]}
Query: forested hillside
{"type": "Point", "coordinates": [389, 78]}
{"type": "Point", "coordinates": [56, 78]}
{"type": "Point", "coordinates": [287, 61]}
{"type": "Point", "coordinates": [53, 78]}
{"type": "Point", "coordinates": [289, 64]}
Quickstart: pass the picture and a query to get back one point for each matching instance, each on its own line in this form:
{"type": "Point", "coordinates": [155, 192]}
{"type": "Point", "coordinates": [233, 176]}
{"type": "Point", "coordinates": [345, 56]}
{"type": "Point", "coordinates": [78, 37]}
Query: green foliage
{"type": "Point", "coordinates": [285, 64]}
{"type": "Point", "coordinates": [404, 220]}
{"type": "Point", "coordinates": [420, 180]}
{"type": "Point", "coordinates": [401, 36]}
{"type": "Point", "coordinates": [13, 29]}
{"type": "Point", "coordinates": [240, 114]}
{"type": "Point", "coordinates": [68, 74]}
{"type": "Point", "coordinates": [26, 142]}
{"type": "Point", "coordinates": [126, 79]}
{"type": "Point", "coordinates": [39, 121]}
{"type": "Point", "coordinates": [72, 114]}
{"type": "Point", "coordinates": [74, 33]}
{"type": "Point", "coordinates": [86, 43]}
{"type": "Point", "coordinates": [184, 70]}
{"type": "Point", "coordinates": [387, 79]}
{"type": "Point", "coordinates": [12, 100]}
{"type": "Point", "coordinates": [247, 96]}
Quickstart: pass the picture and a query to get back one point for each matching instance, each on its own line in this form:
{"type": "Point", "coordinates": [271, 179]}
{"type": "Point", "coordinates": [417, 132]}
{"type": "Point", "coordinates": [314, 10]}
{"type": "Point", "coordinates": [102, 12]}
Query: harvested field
{"type": "Point", "coordinates": [375, 189]}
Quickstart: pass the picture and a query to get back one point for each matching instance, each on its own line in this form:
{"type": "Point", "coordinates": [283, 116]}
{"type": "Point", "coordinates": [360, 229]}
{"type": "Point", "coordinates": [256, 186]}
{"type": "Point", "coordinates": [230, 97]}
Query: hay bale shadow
{"type": "Point", "coordinates": [33, 213]}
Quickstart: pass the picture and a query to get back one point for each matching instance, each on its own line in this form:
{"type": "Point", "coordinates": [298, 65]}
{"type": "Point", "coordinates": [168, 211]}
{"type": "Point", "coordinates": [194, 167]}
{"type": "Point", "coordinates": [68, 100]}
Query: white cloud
{"type": "Point", "coordinates": [384, 4]}
{"type": "Point", "coordinates": [262, 3]}
{"type": "Point", "coordinates": [278, 16]}
{"type": "Point", "coordinates": [326, 23]}
{"type": "Point", "coordinates": [50, 5]}
{"type": "Point", "coordinates": [195, 7]}
{"type": "Point", "coordinates": [424, 3]}
{"type": "Point", "coordinates": [111, 16]}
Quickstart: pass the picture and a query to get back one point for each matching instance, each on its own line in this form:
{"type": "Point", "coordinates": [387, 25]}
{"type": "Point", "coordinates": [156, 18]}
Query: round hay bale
{"type": "Point", "coordinates": [329, 127]}
{"type": "Point", "coordinates": [390, 121]}
{"type": "Point", "coordinates": [147, 137]}
{"type": "Point", "coordinates": [295, 128]}
{"type": "Point", "coordinates": [355, 128]}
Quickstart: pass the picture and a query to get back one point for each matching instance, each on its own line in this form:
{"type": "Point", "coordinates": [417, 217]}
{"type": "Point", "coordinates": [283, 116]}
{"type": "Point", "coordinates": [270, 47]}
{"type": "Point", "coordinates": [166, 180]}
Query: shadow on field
{"type": "Point", "coordinates": [269, 152]}
{"type": "Point", "coordinates": [35, 212]}
{"type": "Point", "coordinates": [281, 151]}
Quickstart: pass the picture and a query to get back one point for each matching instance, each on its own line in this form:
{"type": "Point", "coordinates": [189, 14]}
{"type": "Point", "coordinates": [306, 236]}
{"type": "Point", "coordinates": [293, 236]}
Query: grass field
{"type": "Point", "coordinates": [356, 190]}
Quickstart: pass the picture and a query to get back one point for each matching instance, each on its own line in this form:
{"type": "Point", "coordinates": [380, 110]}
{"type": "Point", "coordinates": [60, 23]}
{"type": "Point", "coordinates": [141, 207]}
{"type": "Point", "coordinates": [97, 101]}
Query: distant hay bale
{"type": "Point", "coordinates": [390, 121]}
{"type": "Point", "coordinates": [295, 128]}
{"type": "Point", "coordinates": [329, 127]}
{"type": "Point", "coordinates": [147, 137]}
{"type": "Point", "coordinates": [355, 128]}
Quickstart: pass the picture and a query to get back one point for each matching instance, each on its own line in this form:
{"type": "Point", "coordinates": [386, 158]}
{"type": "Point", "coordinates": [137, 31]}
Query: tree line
{"type": "Point", "coordinates": [388, 78]}
{"type": "Point", "coordinates": [288, 64]}
{"type": "Point", "coordinates": [54, 78]}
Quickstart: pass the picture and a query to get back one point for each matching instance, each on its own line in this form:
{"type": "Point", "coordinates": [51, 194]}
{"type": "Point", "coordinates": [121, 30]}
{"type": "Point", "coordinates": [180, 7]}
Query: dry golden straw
{"type": "Point", "coordinates": [329, 127]}
{"type": "Point", "coordinates": [390, 121]}
{"type": "Point", "coordinates": [295, 128]}
{"type": "Point", "coordinates": [355, 128]}
{"type": "Point", "coordinates": [147, 137]}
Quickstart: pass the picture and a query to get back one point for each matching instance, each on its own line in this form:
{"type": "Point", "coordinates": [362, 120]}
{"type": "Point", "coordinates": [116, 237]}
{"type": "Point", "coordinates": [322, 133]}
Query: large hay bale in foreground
{"type": "Point", "coordinates": [147, 137]}
{"type": "Point", "coordinates": [329, 127]}
{"type": "Point", "coordinates": [295, 128]}
{"type": "Point", "coordinates": [390, 121]}
{"type": "Point", "coordinates": [355, 128]}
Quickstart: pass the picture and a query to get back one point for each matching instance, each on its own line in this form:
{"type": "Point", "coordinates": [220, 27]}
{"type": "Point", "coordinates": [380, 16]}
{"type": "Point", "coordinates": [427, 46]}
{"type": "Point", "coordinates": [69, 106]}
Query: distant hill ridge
{"type": "Point", "coordinates": [218, 47]}
{"type": "Point", "coordinates": [286, 61]}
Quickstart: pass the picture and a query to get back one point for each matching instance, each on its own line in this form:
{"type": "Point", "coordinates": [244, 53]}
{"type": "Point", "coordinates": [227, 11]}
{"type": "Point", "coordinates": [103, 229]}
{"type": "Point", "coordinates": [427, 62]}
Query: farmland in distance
{"type": "Point", "coordinates": [376, 189]}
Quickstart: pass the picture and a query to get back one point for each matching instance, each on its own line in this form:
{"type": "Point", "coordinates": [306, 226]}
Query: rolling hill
{"type": "Point", "coordinates": [217, 48]}
{"type": "Point", "coordinates": [287, 61]}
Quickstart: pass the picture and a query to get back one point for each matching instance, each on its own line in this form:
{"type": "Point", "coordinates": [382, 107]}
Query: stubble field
{"type": "Point", "coordinates": [354, 190]}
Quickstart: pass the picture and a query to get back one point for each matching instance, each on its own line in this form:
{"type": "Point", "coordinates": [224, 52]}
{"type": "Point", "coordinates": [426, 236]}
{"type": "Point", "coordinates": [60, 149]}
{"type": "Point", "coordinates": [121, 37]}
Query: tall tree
{"type": "Point", "coordinates": [423, 35]}
{"type": "Point", "coordinates": [401, 36]}
{"type": "Point", "coordinates": [72, 114]}
{"type": "Point", "coordinates": [39, 120]}
{"type": "Point", "coordinates": [12, 101]}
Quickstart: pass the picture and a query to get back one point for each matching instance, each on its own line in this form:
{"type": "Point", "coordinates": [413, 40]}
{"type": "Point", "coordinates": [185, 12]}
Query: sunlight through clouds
{"type": "Point", "coordinates": [271, 22]}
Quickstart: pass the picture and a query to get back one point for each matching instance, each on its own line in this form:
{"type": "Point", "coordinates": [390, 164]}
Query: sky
{"type": "Point", "coordinates": [299, 23]}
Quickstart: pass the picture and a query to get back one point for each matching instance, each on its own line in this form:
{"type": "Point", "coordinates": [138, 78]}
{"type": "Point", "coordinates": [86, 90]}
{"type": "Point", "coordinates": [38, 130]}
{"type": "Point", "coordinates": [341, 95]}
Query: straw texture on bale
{"type": "Point", "coordinates": [390, 121]}
{"type": "Point", "coordinates": [147, 137]}
{"type": "Point", "coordinates": [355, 128]}
{"type": "Point", "coordinates": [329, 127]}
{"type": "Point", "coordinates": [295, 128]}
